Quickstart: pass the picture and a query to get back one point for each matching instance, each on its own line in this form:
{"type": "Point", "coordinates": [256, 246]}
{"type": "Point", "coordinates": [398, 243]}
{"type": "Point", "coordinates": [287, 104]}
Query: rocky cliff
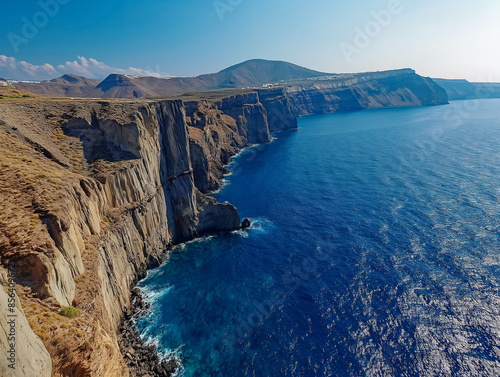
{"type": "Point", "coordinates": [400, 88]}
{"type": "Point", "coordinates": [463, 89]}
{"type": "Point", "coordinates": [222, 123]}
{"type": "Point", "coordinates": [95, 192]}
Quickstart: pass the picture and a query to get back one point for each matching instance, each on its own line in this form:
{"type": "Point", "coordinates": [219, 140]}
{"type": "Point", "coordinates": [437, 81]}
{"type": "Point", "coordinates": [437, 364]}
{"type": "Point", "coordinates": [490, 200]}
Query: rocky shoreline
{"type": "Point", "coordinates": [101, 186]}
{"type": "Point", "coordinates": [142, 360]}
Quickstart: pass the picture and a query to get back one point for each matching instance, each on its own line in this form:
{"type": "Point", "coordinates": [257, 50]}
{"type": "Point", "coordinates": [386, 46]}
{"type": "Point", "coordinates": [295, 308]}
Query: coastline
{"type": "Point", "coordinates": [228, 169]}
{"type": "Point", "coordinates": [142, 359]}
{"type": "Point", "coordinates": [199, 336]}
{"type": "Point", "coordinates": [147, 356]}
{"type": "Point", "coordinates": [121, 208]}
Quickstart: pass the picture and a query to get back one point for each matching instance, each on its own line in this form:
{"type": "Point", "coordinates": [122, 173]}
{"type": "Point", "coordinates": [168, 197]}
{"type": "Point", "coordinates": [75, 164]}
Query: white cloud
{"type": "Point", "coordinates": [11, 68]}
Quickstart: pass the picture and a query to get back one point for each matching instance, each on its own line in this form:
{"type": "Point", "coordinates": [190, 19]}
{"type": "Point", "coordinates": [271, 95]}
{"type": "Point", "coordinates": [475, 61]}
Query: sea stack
{"type": "Point", "coordinates": [245, 224]}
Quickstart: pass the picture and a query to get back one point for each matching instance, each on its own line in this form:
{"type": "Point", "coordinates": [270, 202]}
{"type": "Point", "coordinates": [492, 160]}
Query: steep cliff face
{"type": "Point", "coordinates": [402, 88]}
{"type": "Point", "coordinates": [106, 188]}
{"type": "Point", "coordinates": [280, 111]}
{"type": "Point", "coordinates": [95, 192]}
{"type": "Point", "coordinates": [25, 354]}
{"type": "Point", "coordinates": [214, 137]}
{"type": "Point", "coordinates": [250, 116]}
{"type": "Point", "coordinates": [220, 128]}
{"type": "Point", "coordinates": [463, 89]}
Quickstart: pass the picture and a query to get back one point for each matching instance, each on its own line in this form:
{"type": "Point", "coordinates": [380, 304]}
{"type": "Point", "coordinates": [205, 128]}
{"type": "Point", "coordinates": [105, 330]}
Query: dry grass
{"type": "Point", "coordinates": [9, 92]}
{"type": "Point", "coordinates": [33, 186]}
{"type": "Point", "coordinates": [27, 184]}
{"type": "Point", "coordinates": [58, 333]}
{"type": "Point", "coordinates": [71, 148]}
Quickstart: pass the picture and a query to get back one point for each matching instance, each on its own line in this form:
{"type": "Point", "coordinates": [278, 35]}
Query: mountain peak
{"type": "Point", "coordinates": [266, 64]}
{"type": "Point", "coordinates": [115, 79]}
{"type": "Point", "coordinates": [70, 78]}
{"type": "Point", "coordinates": [256, 72]}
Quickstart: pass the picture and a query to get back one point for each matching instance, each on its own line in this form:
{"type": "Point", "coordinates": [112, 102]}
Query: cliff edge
{"type": "Point", "coordinates": [95, 192]}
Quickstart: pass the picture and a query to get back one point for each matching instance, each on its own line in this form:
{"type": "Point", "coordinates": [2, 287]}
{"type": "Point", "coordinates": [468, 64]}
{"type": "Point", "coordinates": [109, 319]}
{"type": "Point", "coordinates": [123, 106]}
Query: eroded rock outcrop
{"type": "Point", "coordinates": [463, 89]}
{"type": "Point", "coordinates": [24, 353]}
{"type": "Point", "coordinates": [280, 112]}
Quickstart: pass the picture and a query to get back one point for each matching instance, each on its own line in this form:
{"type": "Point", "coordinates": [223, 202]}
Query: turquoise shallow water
{"type": "Point", "coordinates": [374, 251]}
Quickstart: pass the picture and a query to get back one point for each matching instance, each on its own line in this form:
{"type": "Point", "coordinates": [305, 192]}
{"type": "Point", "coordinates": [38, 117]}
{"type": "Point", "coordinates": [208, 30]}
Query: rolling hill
{"type": "Point", "coordinates": [252, 73]}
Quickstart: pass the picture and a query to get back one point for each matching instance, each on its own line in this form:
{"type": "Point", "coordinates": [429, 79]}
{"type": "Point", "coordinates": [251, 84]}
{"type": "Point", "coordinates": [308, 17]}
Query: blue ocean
{"type": "Point", "coordinates": [374, 250]}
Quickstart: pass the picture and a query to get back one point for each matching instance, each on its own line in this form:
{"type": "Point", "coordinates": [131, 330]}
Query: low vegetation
{"type": "Point", "coordinates": [69, 312]}
{"type": "Point", "coordinates": [9, 92]}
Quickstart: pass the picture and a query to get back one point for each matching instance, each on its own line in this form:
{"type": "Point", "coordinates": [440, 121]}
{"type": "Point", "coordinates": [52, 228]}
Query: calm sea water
{"type": "Point", "coordinates": [374, 251]}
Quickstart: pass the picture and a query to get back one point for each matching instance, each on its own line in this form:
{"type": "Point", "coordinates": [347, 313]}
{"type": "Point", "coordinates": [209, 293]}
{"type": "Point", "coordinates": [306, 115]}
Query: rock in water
{"type": "Point", "coordinates": [245, 224]}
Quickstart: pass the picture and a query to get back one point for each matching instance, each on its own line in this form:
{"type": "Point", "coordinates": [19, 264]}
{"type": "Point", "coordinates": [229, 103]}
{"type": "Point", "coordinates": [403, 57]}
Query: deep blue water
{"type": "Point", "coordinates": [374, 251]}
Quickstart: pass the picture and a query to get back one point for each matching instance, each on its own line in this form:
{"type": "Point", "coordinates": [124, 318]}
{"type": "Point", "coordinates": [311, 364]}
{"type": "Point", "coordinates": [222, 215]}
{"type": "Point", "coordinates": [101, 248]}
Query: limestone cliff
{"type": "Point", "coordinates": [93, 193]}
{"type": "Point", "coordinates": [25, 354]}
{"type": "Point", "coordinates": [400, 88]}
{"type": "Point", "coordinates": [280, 110]}
{"type": "Point", "coordinates": [463, 89]}
{"type": "Point", "coordinates": [220, 127]}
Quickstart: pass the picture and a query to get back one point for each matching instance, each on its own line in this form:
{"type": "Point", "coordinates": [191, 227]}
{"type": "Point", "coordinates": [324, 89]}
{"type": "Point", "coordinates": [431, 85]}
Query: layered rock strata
{"type": "Point", "coordinates": [94, 193]}
{"type": "Point", "coordinates": [400, 88]}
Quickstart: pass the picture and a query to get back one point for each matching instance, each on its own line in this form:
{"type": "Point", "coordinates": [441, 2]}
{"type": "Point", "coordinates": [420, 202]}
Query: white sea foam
{"type": "Point", "coordinates": [241, 232]}
{"type": "Point", "coordinates": [256, 225]}
{"type": "Point", "coordinates": [261, 224]}
{"type": "Point", "coordinates": [183, 245]}
{"type": "Point", "coordinates": [151, 295]}
{"type": "Point", "coordinates": [162, 352]}
{"type": "Point", "coordinates": [224, 183]}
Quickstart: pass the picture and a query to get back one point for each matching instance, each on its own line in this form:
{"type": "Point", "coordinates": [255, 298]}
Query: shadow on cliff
{"type": "Point", "coordinates": [175, 171]}
{"type": "Point", "coordinates": [103, 139]}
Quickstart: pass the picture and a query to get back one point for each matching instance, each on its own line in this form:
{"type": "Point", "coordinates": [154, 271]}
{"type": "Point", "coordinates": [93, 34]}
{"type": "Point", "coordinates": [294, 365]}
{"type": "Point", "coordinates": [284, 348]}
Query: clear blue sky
{"type": "Point", "coordinates": [445, 38]}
